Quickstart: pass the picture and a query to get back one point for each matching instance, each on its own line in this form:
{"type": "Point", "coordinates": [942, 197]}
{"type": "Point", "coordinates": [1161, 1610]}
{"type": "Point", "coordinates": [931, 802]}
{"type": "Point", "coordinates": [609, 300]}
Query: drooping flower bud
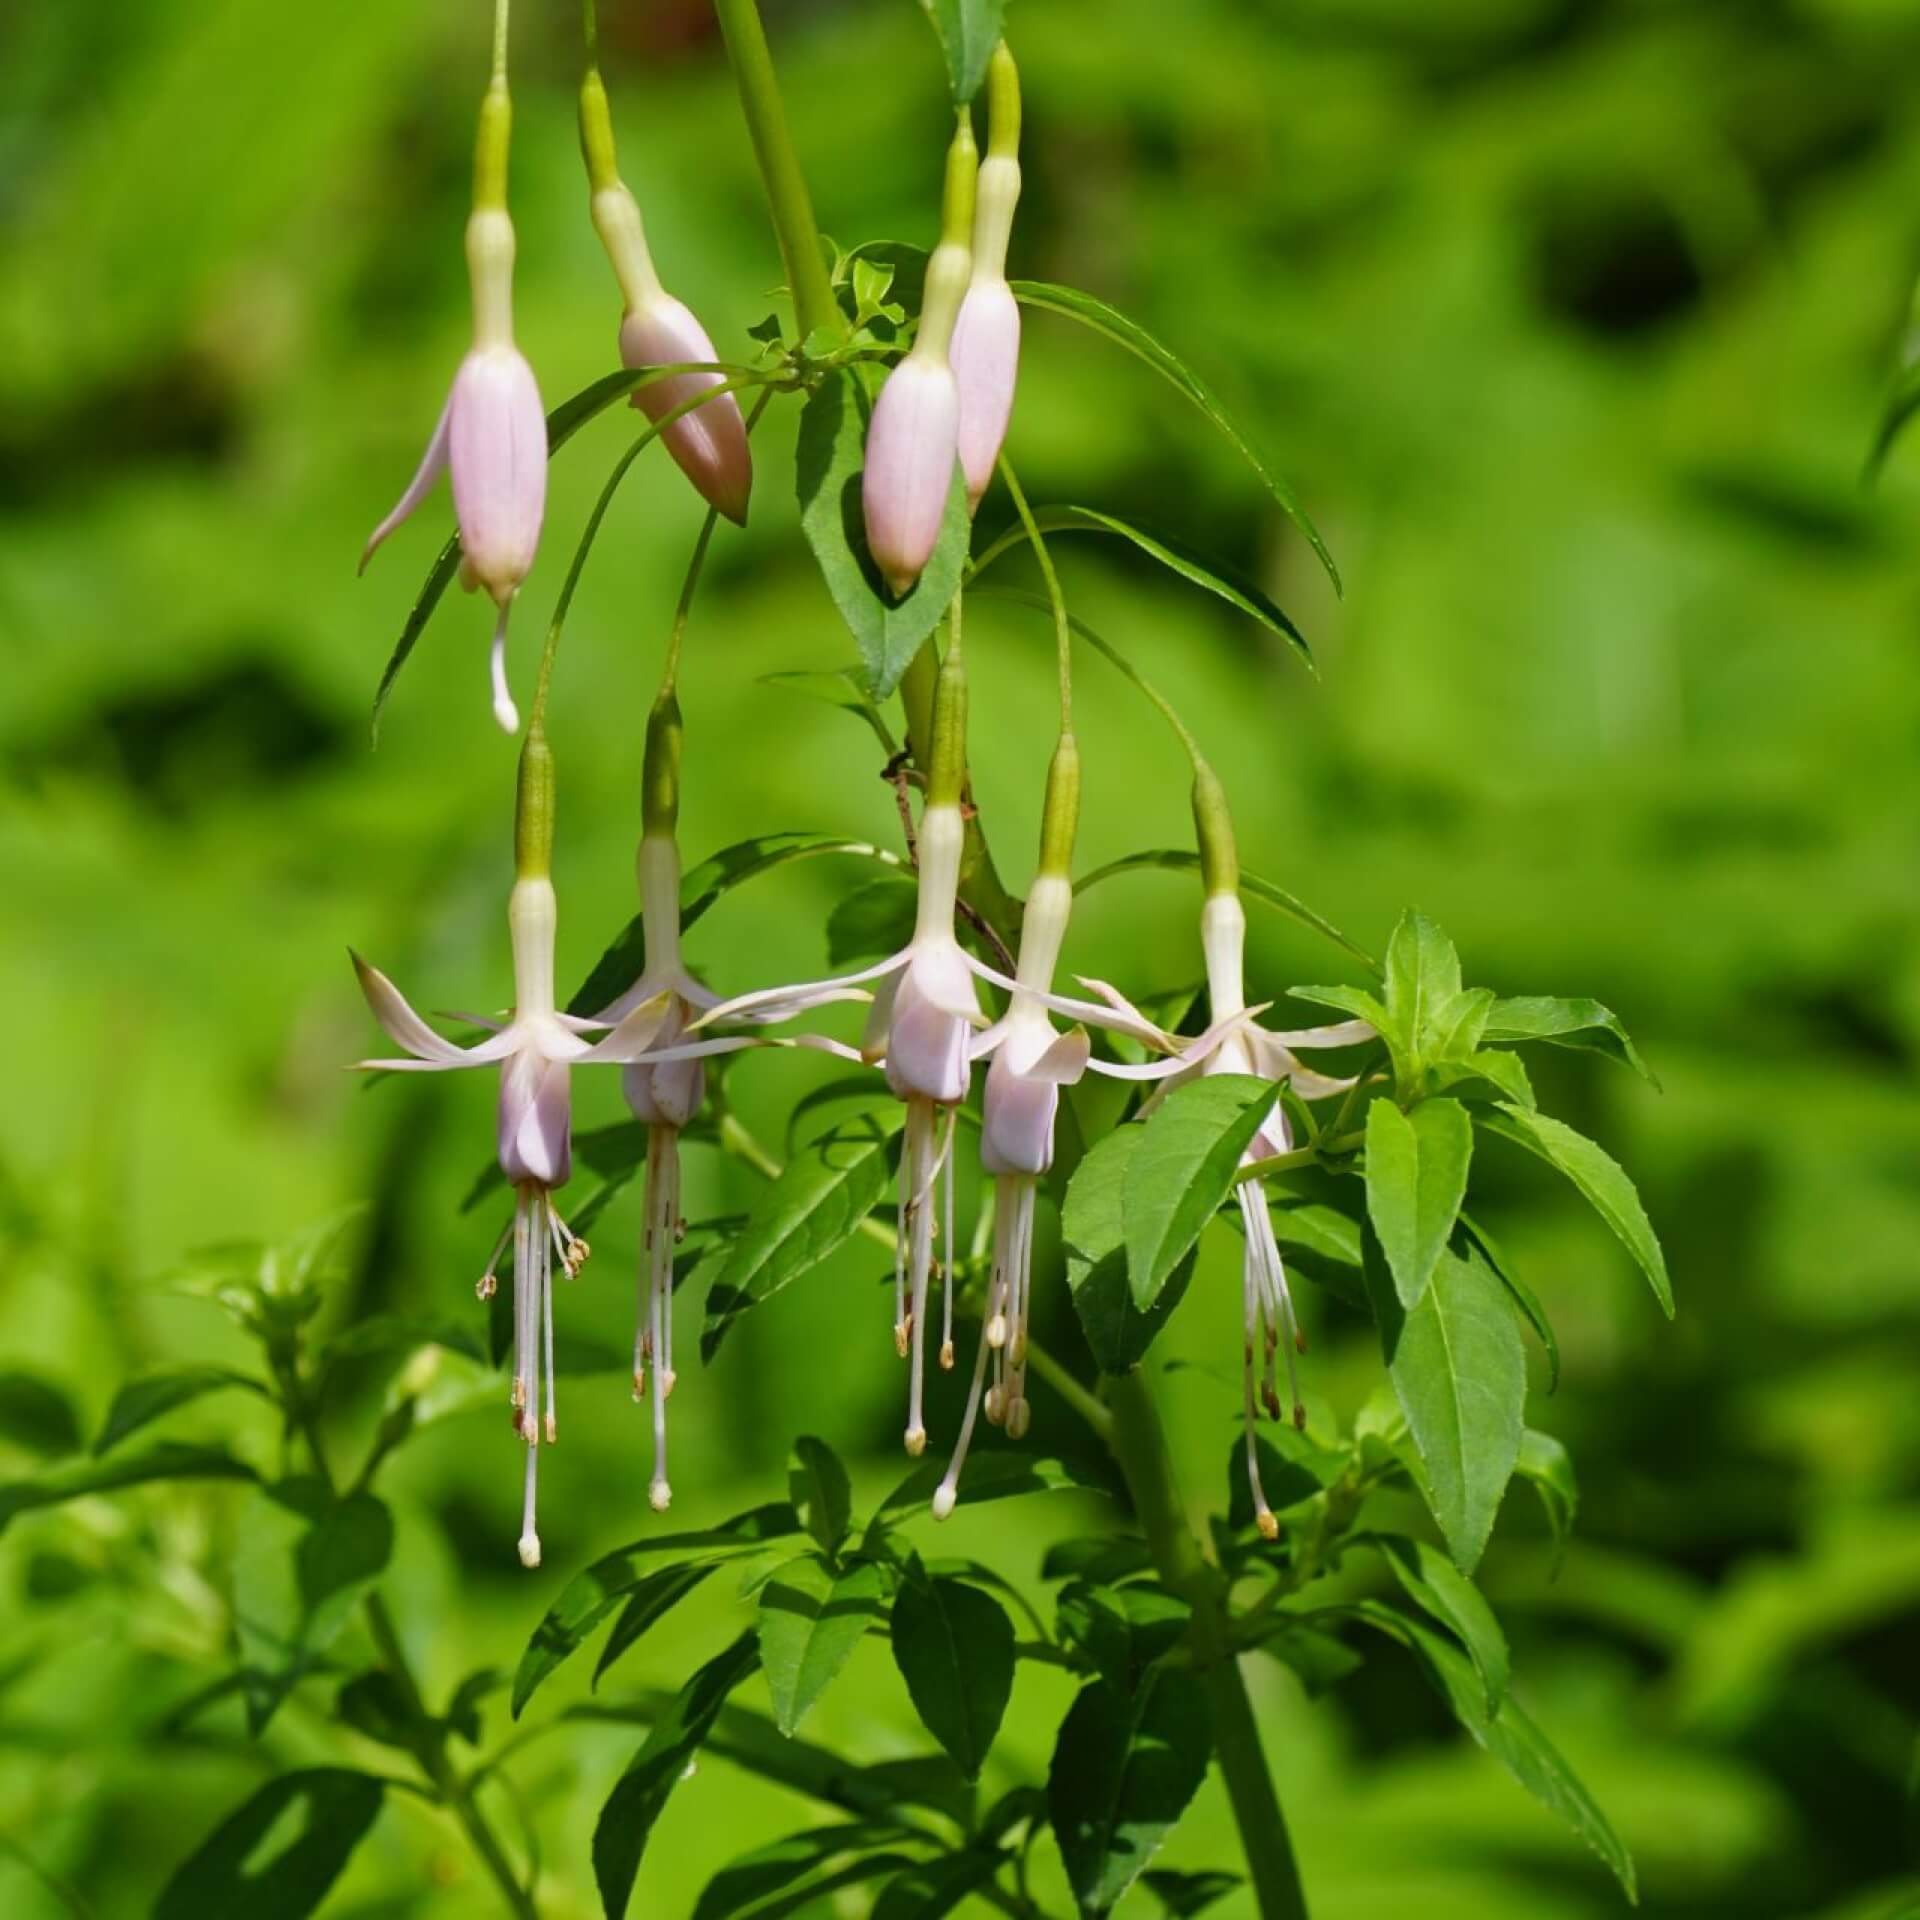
{"type": "Point", "coordinates": [709, 442]}
{"type": "Point", "coordinates": [986, 337]}
{"type": "Point", "coordinates": [913, 440]}
{"type": "Point", "coordinates": [493, 429]}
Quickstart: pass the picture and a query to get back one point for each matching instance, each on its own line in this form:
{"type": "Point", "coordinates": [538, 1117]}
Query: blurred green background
{"type": "Point", "coordinates": [1571, 318]}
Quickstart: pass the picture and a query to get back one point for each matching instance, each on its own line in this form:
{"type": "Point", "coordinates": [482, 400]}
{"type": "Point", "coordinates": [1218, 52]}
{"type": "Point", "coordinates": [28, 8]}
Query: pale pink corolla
{"type": "Point", "coordinates": [912, 444]}
{"type": "Point", "coordinates": [709, 442]}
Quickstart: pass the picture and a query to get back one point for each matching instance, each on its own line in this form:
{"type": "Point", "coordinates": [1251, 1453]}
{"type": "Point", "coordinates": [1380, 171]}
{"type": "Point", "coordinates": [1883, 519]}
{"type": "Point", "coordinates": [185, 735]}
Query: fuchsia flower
{"type": "Point", "coordinates": [986, 337]}
{"type": "Point", "coordinates": [913, 438]}
{"type": "Point", "coordinates": [493, 436]}
{"type": "Point", "coordinates": [536, 1051]}
{"type": "Point", "coordinates": [708, 443]}
{"type": "Point", "coordinates": [1238, 1046]}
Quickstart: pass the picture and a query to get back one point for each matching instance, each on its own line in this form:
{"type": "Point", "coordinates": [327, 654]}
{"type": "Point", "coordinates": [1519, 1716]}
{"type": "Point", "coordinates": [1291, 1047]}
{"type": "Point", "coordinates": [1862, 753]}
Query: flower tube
{"type": "Point", "coordinates": [913, 439]}
{"type": "Point", "coordinates": [708, 443]}
{"type": "Point", "coordinates": [492, 431]}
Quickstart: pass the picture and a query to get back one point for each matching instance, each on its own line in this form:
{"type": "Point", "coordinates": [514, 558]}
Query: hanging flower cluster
{"type": "Point", "coordinates": [937, 426]}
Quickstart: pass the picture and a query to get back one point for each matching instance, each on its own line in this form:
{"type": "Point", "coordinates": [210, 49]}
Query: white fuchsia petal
{"type": "Point", "coordinates": [432, 463]}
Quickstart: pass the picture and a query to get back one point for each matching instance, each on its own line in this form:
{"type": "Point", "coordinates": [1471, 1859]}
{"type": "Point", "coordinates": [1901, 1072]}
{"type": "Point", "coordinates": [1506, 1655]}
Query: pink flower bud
{"type": "Point", "coordinates": [497, 446]}
{"type": "Point", "coordinates": [1017, 1115]}
{"type": "Point", "coordinates": [709, 444]}
{"type": "Point", "coordinates": [986, 366]}
{"type": "Point", "coordinates": [667, 1093]}
{"type": "Point", "coordinates": [911, 446]}
{"type": "Point", "coordinates": [536, 1120]}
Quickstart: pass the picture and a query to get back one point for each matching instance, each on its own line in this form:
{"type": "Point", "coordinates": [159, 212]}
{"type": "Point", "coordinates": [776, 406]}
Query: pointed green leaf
{"type": "Point", "coordinates": [1183, 1169]}
{"type": "Point", "coordinates": [935, 1888]}
{"type": "Point", "coordinates": [590, 1596]}
{"type": "Point", "coordinates": [810, 1620]}
{"type": "Point", "coordinates": [1213, 576]}
{"type": "Point", "coordinates": [1115, 326]}
{"type": "Point", "coordinates": [640, 1795]}
{"type": "Point", "coordinates": [1600, 1178]}
{"type": "Point", "coordinates": [142, 1401]}
{"type": "Point", "coordinates": [1118, 1333]}
{"type": "Point", "coordinates": [817, 1486]}
{"type": "Point", "coordinates": [165, 1460]}
{"type": "Point", "coordinates": [1578, 1023]}
{"type": "Point", "coordinates": [742, 1884]}
{"type": "Point", "coordinates": [278, 1856]}
{"type": "Point", "coordinates": [1436, 1586]}
{"type": "Point", "coordinates": [816, 1204]}
{"type": "Point", "coordinates": [1547, 1464]}
{"type": "Point", "coordinates": [1460, 1372]}
{"type": "Point", "coordinates": [953, 1645]}
{"type": "Point", "coordinates": [989, 1476]}
{"type": "Point", "coordinates": [1182, 1895]}
{"type": "Point", "coordinates": [1124, 1769]}
{"type": "Point", "coordinates": [828, 463]}
{"type": "Point", "coordinates": [650, 1601]}
{"type": "Point", "coordinates": [1122, 1630]}
{"type": "Point", "coordinates": [1511, 1736]}
{"type": "Point", "coordinates": [871, 921]}
{"type": "Point", "coordinates": [1416, 1180]}
{"type": "Point", "coordinates": [969, 31]}
{"type": "Point", "coordinates": [37, 1415]}
{"type": "Point", "coordinates": [1524, 1297]}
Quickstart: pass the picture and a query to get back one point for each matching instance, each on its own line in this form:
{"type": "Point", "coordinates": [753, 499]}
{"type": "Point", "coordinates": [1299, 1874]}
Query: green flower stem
{"type": "Point", "coordinates": [1140, 1446]}
{"type": "Point", "coordinates": [788, 201]}
{"type": "Point", "coordinates": [1336, 1144]}
{"type": "Point", "coordinates": [455, 1788]}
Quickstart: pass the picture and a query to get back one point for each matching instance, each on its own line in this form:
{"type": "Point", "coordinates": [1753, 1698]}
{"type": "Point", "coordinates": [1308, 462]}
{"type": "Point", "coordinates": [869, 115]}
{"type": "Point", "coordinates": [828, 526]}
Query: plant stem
{"type": "Point", "coordinates": [456, 1789]}
{"type": "Point", "coordinates": [788, 201]}
{"type": "Point", "coordinates": [1139, 1444]}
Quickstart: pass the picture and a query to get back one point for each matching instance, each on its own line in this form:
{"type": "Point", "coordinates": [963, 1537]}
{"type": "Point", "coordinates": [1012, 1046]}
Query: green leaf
{"type": "Point", "coordinates": [701, 888]}
{"type": "Point", "coordinates": [769, 1872]}
{"type": "Point", "coordinates": [1548, 1465]}
{"type": "Point", "coordinates": [1118, 1333]}
{"type": "Point", "coordinates": [1115, 326]}
{"type": "Point", "coordinates": [1600, 1178]}
{"type": "Point", "coordinates": [743, 1883]}
{"type": "Point", "coordinates": [953, 1645]}
{"type": "Point", "coordinates": [1461, 1376]}
{"type": "Point", "coordinates": [1436, 1586]}
{"type": "Point", "coordinates": [141, 1401]}
{"type": "Point", "coordinates": [1416, 1180]}
{"type": "Point", "coordinates": [1319, 1661]}
{"type": "Point", "coordinates": [1179, 861]}
{"type": "Point", "coordinates": [1214, 576]}
{"type": "Point", "coordinates": [1183, 1169]}
{"type": "Point", "coordinates": [1124, 1769]}
{"type": "Point", "coordinates": [1582, 1024]}
{"type": "Point", "coordinates": [1511, 1736]}
{"type": "Point", "coordinates": [640, 1795]}
{"type": "Point", "coordinates": [165, 1460]}
{"type": "Point", "coordinates": [989, 1476]}
{"type": "Point", "coordinates": [1182, 1895]}
{"type": "Point", "coordinates": [37, 1415]}
{"type": "Point", "coordinates": [348, 1545]}
{"type": "Point", "coordinates": [278, 1856]}
{"type": "Point", "coordinates": [1122, 1630]}
{"type": "Point", "coordinates": [820, 1492]}
{"type": "Point", "coordinates": [1504, 1072]}
{"type": "Point", "coordinates": [814, 1207]}
{"type": "Point", "coordinates": [934, 1888]}
{"type": "Point", "coordinates": [841, 687]}
{"type": "Point", "coordinates": [656, 1595]}
{"type": "Point", "coordinates": [590, 1596]}
{"type": "Point", "coordinates": [969, 31]}
{"type": "Point", "coordinates": [1524, 1296]}
{"type": "Point", "coordinates": [810, 1620]}
{"type": "Point", "coordinates": [828, 463]}
{"type": "Point", "coordinates": [870, 921]}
